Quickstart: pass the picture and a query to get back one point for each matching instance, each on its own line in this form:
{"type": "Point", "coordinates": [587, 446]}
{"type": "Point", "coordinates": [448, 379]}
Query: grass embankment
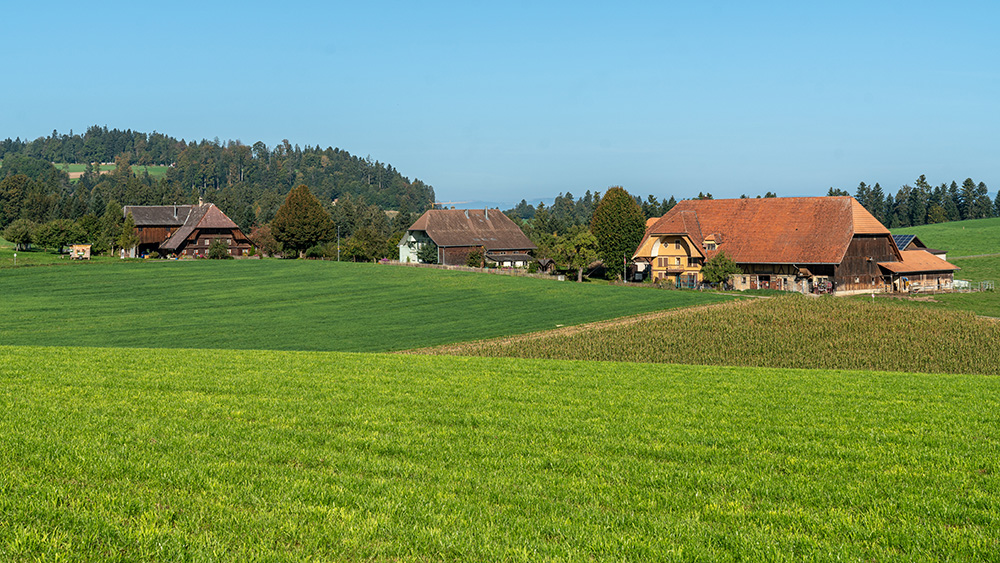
{"type": "Point", "coordinates": [792, 331]}
{"type": "Point", "coordinates": [247, 455]}
{"type": "Point", "coordinates": [960, 238]}
{"type": "Point", "coordinates": [979, 238]}
{"type": "Point", "coordinates": [296, 305]}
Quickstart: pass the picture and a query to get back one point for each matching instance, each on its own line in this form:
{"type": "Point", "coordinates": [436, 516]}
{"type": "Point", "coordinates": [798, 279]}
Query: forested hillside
{"type": "Point", "coordinates": [248, 182]}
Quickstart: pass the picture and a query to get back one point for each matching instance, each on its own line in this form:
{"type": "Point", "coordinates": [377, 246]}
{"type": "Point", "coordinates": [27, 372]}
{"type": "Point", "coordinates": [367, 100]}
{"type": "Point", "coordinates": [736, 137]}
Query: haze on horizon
{"type": "Point", "coordinates": [528, 100]}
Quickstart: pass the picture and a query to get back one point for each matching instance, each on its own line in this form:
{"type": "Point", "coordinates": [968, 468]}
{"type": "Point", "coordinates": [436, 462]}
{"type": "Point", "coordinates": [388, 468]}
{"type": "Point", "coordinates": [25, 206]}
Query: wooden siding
{"type": "Point", "coordinates": [201, 240]}
{"type": "Point", "coordinates": [859, 269]}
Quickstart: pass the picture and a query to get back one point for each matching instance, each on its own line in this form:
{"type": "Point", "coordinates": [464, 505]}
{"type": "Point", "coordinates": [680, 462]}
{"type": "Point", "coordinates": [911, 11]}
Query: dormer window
{"type": "Point", "coordinates": [709, 246]}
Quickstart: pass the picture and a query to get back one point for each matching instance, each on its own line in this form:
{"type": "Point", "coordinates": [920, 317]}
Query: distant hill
{"type": "Point", "coordinates": [248, 182]}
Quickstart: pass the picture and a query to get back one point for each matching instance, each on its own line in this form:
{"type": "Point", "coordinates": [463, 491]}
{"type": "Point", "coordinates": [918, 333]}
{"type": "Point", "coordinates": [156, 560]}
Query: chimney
{"type": "Point", "coordinates": [486, 211]}
{"type": "Point", "coordinates": [175, 211]}
{"type": "Point", "coordinates": [200, 201]}
{"type": "Point", "coordinates": [466, 213]}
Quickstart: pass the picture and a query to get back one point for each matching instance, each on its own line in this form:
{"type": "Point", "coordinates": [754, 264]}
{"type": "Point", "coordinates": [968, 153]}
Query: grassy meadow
{"type": "Point", "coordinates": [959, 238]}
{"type": "Point", "coordinates": [782, 332]}
{"type": "Point", "coordinates": [37, 257]}
{"type": "Point", "coordinates": [77, 168]}
{"type": "Point", "coordinates": [975, 238]}
{"type": "Point", "coordinates": [118, 454]}
{"type": "Point", "coordinates": [296, 305]}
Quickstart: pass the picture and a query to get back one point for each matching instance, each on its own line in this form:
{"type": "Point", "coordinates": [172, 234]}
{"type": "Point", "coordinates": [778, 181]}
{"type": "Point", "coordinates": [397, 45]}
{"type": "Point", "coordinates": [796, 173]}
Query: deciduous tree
{"type": "Point", "coordinates": [128, 239]}
{"type": "Point", "coordinates": [20, 233]}
{"type": "Point", "coordinates": [719, 268]}
{"type": "Point", "coordinates": [577, 250]}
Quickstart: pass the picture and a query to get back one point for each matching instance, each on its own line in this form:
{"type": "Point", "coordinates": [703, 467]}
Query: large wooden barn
{"type": "Point", "coordinates": [184, 231]}
{"type": "Point", "coordinates": [460, 232]}
{"type": "Point", "coordinates": [804, 244]}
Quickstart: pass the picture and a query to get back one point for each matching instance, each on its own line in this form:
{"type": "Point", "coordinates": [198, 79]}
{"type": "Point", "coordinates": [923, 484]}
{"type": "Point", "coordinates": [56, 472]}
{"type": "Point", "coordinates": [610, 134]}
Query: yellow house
{"type": "Point", "coordinates": [671, 256]}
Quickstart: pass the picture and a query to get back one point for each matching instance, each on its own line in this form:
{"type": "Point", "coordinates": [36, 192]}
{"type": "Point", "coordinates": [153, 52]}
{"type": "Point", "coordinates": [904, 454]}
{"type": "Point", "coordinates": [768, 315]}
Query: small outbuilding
{"type": "Point", "coordinates": [919, 271]}
{"type": "Point", "coordinates": [79, 252]}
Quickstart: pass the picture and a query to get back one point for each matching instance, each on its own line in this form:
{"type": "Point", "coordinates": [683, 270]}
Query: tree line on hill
{"type": "Point", "coordinates": [922, 204]}
{"type": "Point", "coordinates": [247, 182]}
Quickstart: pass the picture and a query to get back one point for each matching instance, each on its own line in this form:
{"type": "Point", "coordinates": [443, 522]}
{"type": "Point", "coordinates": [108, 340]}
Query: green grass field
{"type": "Point", "coordinates": [296, 305]}
{"type": "Point", "coordinates": [783, 332]}
{"type": "Point", "coordinates": [154, 171]}
{"type": "Point", "coordinates": [152, 455]}
{"type": "Point", "coordinates": [36, 257]}
{"type": "Point", "coordinates": [959, 238]}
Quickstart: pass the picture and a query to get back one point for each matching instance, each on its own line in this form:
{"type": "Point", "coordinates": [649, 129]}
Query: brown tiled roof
{"type": "Point", "coordinates": [918, 261]}
{"type": "Point", "coordinates": [158, 215]}
{"type": "Point", "coordinates": [490, 229]}
{"type": "Point", "coordinates": [789, 230]}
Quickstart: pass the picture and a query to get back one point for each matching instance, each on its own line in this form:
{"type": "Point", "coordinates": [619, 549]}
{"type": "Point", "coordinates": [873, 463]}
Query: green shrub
{"type": "Point", "coordinates": [219, 250]}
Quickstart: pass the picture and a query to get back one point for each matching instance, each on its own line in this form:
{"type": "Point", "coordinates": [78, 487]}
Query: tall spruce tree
{"type": "Point", "coordinates": [618, 226]}
{"type": "Point", "coordinates": [301, 222]}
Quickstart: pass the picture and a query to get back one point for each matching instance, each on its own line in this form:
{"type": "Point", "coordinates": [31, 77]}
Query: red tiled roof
{"type": "Point", "coordinates": [789, 230]}
{"type": "Point", "coordinates": [490, 229]}
{"type": "Point", "coordinates": [918, 261]}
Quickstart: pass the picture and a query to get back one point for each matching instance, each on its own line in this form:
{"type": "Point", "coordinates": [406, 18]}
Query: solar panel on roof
{"type": "Point", "coordinates": [903, 240]}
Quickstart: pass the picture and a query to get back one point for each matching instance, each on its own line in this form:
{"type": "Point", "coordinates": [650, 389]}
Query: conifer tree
{"type": "Point", "coordinates": [301, 222]}
{"type": "Point", "coordinates": [618, 226]}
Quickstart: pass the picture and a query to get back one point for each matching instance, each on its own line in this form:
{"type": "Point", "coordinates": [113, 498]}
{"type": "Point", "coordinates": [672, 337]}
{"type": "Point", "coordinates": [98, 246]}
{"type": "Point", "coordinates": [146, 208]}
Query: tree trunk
{"type": "Point", "coordinates": [579, 274]}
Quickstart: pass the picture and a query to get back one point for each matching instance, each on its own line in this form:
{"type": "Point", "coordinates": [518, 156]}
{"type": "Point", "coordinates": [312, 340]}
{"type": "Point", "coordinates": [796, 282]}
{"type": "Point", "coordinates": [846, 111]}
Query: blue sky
{"type": "Point", "coordinates": [503, 101]}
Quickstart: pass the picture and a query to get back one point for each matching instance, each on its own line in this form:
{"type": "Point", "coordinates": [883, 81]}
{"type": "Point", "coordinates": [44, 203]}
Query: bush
{"type": "Point", "coordinates": [475, 259]}
{"type": "Point", "coordinates": [219, 250]}
{"type": "Point", "coordinates": [317, 252]}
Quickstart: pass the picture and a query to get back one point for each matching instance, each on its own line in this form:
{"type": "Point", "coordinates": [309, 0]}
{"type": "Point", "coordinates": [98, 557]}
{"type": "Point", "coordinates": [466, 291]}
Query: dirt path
{"type": "Point", "coordinates": [457, 348]}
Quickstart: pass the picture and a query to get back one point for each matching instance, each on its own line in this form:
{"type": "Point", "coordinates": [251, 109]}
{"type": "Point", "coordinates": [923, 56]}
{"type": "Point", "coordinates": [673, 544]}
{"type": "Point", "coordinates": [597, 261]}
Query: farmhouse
{"type": "Point", "coordinates": [460, 232]}
{"type": "Point", "coordinates": [804, 244]}
{"type": "Point", "coordinates": [184, 230]}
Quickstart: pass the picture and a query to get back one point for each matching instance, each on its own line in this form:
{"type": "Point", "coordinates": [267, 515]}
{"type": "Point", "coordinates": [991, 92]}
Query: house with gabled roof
{"type": "Point", "coordinates": [805, 244]}
{"type": "Point", "coordinates": [457, 233]}
{"type": "Point", "coordinates": [184, 231]}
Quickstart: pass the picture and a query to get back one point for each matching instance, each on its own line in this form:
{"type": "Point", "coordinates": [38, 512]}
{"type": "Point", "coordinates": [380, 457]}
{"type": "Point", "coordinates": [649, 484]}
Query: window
{"type": "Point", "coordinates": [677, 261]}
{"type": "Point", "coordinates": [206, 242]}
{"type": "Point", "coordinates": [677, 244]}
{"type": "Point", "coordinates": [709, 246]}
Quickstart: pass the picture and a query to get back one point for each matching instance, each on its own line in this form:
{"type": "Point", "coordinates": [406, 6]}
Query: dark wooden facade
{"type": "Point", "coordinates": [196, 245]}
{"type": "Point", "coordinates": [185, 231]}
{"type": "Point", "coordinates": [859, 270]}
